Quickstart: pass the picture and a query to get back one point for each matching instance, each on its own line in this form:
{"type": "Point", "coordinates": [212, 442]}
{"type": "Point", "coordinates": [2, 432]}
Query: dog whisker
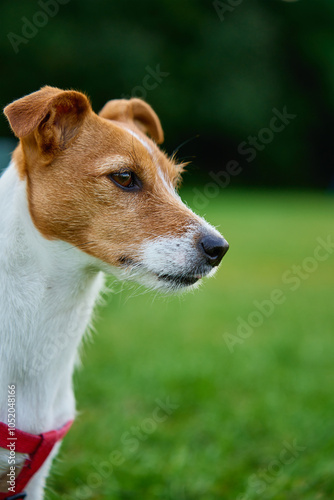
{"type": "Point", "coordinates": [176, 150]}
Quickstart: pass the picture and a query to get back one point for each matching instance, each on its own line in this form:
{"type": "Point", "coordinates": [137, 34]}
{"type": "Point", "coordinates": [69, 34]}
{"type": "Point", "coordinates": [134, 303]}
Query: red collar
{"type": "Point", "coordinates": [38, 447]}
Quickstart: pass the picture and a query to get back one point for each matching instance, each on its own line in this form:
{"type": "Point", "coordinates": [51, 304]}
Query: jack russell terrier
{"type": "Point", "coordinates": [84, 195]}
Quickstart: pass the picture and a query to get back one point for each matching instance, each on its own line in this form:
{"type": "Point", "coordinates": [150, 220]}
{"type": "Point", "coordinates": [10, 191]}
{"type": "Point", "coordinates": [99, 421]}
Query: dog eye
{"type": "Point", "coordinates": [125, 180]}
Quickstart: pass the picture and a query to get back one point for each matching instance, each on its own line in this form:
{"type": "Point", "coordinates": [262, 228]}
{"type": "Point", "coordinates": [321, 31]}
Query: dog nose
{"type": "Point", "coordinates": [214, 248]}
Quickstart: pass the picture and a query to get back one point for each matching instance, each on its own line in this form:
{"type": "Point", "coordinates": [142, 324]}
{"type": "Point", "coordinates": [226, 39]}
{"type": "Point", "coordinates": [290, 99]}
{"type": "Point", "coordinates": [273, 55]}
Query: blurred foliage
{"type": "Point", "coordinates": [225, 69]}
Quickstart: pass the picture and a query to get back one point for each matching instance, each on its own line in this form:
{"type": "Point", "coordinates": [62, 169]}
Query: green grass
{"type": "Point", "coordinates": [239, 410]}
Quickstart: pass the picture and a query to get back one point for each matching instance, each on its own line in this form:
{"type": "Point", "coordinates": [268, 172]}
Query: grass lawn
{"type": "Point", "coordinates": [178, 401]}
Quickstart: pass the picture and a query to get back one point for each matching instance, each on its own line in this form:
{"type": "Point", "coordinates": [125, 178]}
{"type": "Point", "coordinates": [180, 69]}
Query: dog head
{"type": "Point", "coordinates": [101, 183]}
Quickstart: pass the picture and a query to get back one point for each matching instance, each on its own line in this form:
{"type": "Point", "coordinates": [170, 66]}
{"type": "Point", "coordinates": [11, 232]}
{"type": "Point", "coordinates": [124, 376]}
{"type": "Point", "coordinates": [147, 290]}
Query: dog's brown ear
{"type": "Point", "coordinates": [135, 111]}
{"type": "Point", "coordinates": [53, 115]}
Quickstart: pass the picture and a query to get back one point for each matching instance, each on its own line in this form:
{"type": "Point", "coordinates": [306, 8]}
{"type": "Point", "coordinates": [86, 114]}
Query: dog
{"type": "Point", "coordinates": [85, 195]}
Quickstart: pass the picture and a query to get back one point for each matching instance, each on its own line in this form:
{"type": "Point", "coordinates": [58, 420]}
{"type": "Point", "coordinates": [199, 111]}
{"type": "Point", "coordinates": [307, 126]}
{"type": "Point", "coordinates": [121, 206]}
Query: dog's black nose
{"type": "Point", "coordinates": [214, 248]}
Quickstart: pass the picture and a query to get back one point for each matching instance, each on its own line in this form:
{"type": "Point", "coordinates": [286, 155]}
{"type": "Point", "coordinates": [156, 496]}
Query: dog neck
{"type": "Point", "coordinates": [48, 290]}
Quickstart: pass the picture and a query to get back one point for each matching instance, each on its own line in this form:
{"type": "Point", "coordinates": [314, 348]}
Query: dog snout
{"type": "Point", "coordinates": [213, 248]}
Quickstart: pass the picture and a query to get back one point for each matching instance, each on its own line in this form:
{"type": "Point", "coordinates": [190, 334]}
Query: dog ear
{"type": "Point", "coordinates": [53, 115]}
{"type": "Point", "coordinates": [135, 111]}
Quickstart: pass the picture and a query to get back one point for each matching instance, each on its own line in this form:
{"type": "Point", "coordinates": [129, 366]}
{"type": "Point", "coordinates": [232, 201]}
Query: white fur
{"type": "Point", "coordinates": [48, 291]}
{"type": "Point", "coordinates": [166, 183]}
{"type": "Point", "coordinates": [141, 140]}
{"type": "Point", "coordinates": [168, 255]}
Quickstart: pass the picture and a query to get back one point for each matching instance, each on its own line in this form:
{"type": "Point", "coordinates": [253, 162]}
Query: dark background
{"type": "Point", "coordinates": [226, 65]}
